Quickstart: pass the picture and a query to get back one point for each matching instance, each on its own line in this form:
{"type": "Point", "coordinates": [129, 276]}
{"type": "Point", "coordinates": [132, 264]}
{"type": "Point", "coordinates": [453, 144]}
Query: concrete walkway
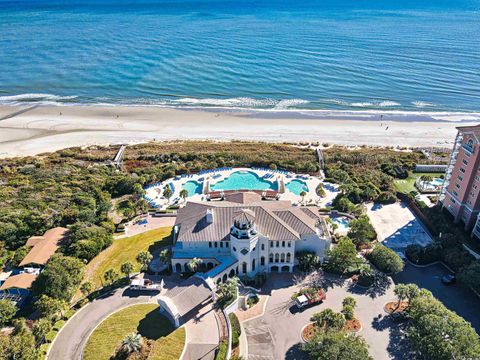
{"type": "Point", "coordinates": [73, 336]}
{"type": "Point", "coordinates": [203, 335]}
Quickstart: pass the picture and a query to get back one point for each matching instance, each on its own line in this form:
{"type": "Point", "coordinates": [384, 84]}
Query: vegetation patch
{"type": "Point", "coordinates": [143, 319]}
{"type": "Point", "coordinates": [125, 250]}
{"type": "Point", "coordinates": [395, 306]}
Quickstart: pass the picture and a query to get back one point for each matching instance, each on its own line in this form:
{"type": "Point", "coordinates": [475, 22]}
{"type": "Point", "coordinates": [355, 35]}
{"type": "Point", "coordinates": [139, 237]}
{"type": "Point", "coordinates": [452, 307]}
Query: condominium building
{"type": "Point", "coordinates": [460, 192]}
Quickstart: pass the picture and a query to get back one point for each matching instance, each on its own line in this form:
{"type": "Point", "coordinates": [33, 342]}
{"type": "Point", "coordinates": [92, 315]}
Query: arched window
{"type": "Point", "coordinates": [178, 267]}
{"type": "Point", "coordinates": [278, 244]}
{"type": "Point", "coordinates": [262, 261]}
{"type": "Point", "coordinates": [289, 244]}
{"type": "Point", "coordinates": [288, 257]}
{"type": "Point", "coordinates": [209, 244]}
{"type": "Point", "coordinates": [277, 257]}
{"type": "Point", "coordinates": [263, 247]}
{"type": "Point", "coordinates": [253, 265]}
{"type": "Point", "coordinates": [244, 267]}
{"type": "Point", "coordinates": [270, 258]}
{"type": "Point", "coordinates": [283, 243]}
{"type": "Point", "coordinates": [271, 243]}
{"type": "Point", "coordinates": [282, 258]}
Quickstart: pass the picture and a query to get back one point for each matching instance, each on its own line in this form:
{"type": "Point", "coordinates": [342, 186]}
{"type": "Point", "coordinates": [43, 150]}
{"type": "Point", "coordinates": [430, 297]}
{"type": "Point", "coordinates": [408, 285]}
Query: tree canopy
{"type": "Point", "coordinates": [386, 259]}
{"type": "Point", "coordinates": [60, 278]}
{"type": "Point", "coordinates": [337, 345]}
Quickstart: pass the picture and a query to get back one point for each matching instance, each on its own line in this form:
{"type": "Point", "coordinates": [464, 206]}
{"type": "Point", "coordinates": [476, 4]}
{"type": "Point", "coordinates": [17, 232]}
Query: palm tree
{"type": "Point", "coordinates": [126, 268]}
{"type": "Point", "coordinates": [402, 292]}
{"type": "Point", "coordinates": [348, 307]}
{"type": "Point", "coordinates": [228, 289]}
{"type": "Point", "coordinates": [329, 320]}
{"type": "Point", "coordinates": [110, 275]}
{"type": "Point", "coordinates": [86, 288]}
{"type": "Point", "coordinates": [144, 259]}
{"type": "Point", "coordinates": [303, 194]}
{"type": "Point", "coordinates": [132, 343]}
{"type": "Point", "coordinates": [164, 255]}
{"type": "Point", "coordinates": [183, 194]}
{"type": "Point", "coordinates": [167, 193]}
{"type": "Point", "coordinates": [194, 264]}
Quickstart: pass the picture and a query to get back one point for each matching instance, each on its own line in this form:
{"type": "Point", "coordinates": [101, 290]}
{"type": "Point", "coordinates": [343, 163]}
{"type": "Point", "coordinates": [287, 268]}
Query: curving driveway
{"type": "Point", "coordinates": [72, 338]}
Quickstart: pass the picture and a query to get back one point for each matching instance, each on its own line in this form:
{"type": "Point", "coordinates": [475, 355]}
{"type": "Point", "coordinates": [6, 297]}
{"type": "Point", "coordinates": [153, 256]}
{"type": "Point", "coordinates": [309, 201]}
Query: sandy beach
{"type": "Point", "coordinates": [30, 131]}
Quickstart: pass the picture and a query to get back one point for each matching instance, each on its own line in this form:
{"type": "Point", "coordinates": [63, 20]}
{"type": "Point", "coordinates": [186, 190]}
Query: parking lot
{"type": "Point", "coordinates": [396, 226]}
{"type": "Point", "coordinates": [455, 297]}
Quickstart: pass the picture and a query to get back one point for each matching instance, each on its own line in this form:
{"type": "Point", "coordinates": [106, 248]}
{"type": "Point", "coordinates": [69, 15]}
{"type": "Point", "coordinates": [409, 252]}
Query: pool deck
{"type": "Point", "coordinates": [154, 192]}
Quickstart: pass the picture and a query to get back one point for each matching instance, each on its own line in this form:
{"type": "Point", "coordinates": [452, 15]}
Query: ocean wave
{"type": "Point", "coordinates": [422, 104]}
{"type": "Point", "coordinates": [388, 103]}
{"type": "Point", "coordinates": [34, 96]}
{"type": "Point", "coordinates": [361, 104]}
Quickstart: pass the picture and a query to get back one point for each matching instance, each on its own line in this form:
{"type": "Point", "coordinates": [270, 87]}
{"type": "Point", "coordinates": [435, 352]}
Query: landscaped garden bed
{"type": "Point", "coordinates": [394, 306]}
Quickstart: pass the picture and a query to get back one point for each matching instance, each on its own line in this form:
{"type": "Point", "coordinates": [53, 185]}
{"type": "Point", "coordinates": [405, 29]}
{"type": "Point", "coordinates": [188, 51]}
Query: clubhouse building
{"type": "Point", "coordinates": [243, 235]}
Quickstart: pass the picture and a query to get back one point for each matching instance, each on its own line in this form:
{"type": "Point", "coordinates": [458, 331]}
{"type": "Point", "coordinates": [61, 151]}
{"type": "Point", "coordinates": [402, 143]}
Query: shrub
{"type": "Point", "coordinates": [68, 314]}
{"type": "Point", "coordinates": [50, 336]}
{"type": "Point", "coordinates": [457, 258]}
{"type": "Point", "coordinates": [235, 323]}
{"type": "Point", "coordinates": [58, 325]}
{"type": "Point", "coordinates": [44, 348]}
{"type": "Point", "coordinates": [385, 259]}
{"type": "Point", "coordinates": [222, 350]}
{"type": "Point", "coordinates": [423, 255]}
{"type": "Point", "coordinates": [470, 275]}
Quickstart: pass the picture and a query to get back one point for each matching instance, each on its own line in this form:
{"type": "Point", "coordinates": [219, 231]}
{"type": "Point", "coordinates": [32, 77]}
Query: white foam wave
{"type": "Point", "coordinates": [288, 103]}
{"type": "Point", "coordinates": [361, 104]}
{"type": "Point", "coordinates": [388, 103]}
{"type": "Point", "coordinates": [46, 99]}
{"type": "Point", "coordinates": [242, 102]}
{"type": "Point", "coordinates": [421, 104]}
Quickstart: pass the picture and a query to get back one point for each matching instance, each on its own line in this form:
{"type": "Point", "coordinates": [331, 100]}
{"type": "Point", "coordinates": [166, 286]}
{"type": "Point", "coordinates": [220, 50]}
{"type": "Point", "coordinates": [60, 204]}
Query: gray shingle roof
{"type": "Point", "coordinates": [278, 220]}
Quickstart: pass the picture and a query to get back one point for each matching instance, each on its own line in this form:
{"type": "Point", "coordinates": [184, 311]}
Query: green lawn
{"type": "Point", "coordinates": [125, 249]}
{"type": "Point", "coordinates": [407, 185]}
{"type": "Point", "coordinates": [144, 319]}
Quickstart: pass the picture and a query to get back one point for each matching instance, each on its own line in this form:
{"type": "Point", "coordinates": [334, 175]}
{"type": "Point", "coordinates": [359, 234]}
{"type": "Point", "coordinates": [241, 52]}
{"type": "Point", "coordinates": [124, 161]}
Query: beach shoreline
{"type": "Point", "coordinates": [26, 131]}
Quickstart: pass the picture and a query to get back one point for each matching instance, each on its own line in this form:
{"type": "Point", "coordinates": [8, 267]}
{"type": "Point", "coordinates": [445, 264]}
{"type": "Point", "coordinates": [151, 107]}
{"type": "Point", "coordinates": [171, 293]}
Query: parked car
{"type": "Point", "coordinates": [310, 299]}
{"type": "Point", "coordinates": [449, 279]}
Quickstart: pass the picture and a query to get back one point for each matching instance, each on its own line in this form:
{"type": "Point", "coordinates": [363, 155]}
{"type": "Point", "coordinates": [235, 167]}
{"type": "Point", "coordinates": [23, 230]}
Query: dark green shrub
{"type": "Point", "coordinates": [385, 259]}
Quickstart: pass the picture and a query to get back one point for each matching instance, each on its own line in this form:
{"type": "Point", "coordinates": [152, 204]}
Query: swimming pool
{"type": "Point", "coordinates": [437, 182]}
{"type": "Point", "coordinates": [297, 186]}
{"type": "Point", "coordinates": [192, 187]}
{"type": "Point", "coordinates": [244, 180]}
{"type": "Point", "coordinates": [342, 222]}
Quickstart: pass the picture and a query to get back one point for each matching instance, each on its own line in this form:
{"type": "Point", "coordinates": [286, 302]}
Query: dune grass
{"type": "Point", "coordinates": [144, 319]}
{"type": "Point", "coordinates": [126, 249]}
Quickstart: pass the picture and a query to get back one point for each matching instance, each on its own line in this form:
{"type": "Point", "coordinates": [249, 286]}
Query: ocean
{"type": "Point", "coordinates": [391, 55]}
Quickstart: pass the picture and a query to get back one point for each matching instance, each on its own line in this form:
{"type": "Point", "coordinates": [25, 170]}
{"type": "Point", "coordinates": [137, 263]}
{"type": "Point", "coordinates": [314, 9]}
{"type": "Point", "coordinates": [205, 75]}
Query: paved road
{"type": "Point", "coordinates": [455, 297]}
{"type": "Point", "coordinates": [74, 335]}
{"type": "Point", "coordinates": [283, 325]}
